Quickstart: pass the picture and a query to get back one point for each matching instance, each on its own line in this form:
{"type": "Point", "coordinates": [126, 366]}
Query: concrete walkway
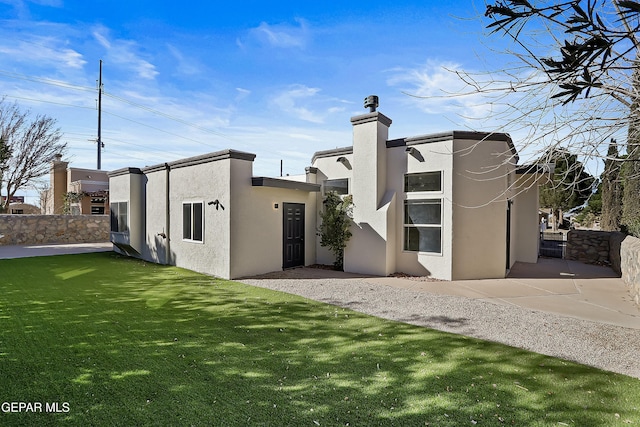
{"type": "Point", "coordinates": [566, 288]}
{"type": "Point", "coordinates": [7, 252]}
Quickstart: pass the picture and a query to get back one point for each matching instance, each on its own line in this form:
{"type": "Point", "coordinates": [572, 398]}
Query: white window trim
{"type": "Point", "coordinates": [423, 194]}
{"type": "Point", "coordinates": [441, 225]}
{"type": "Point", "coordinates": [111, 203]}
{"type": "Point", "coordinates": [324, 192]}
{"type": "Point", "coordinates": [192, 202]}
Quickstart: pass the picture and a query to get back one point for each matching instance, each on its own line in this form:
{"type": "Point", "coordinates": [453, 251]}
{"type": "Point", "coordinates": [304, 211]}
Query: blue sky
{"type": "Point", "coordinates": [278, 79]}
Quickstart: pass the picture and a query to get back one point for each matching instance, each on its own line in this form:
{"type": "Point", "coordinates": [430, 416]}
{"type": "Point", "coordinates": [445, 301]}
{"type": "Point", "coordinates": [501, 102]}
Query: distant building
{"type": "Point", "coordinates": [23, 209]}
{"type": "Point", "coordinates": [17, 206]}
{"type": "Point", "coordinates": [75, 191]}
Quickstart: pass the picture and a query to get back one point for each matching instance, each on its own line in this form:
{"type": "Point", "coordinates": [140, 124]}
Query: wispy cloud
{"type": "Point", "coordinates": [185, 66]}
{"type": "Point", "coordinates": [307, 104]}
{"type": "Point", "coordinates": [124, 53]}
{"type": "Point", "coordinates": [435, 88]}
{"type": "Point", "coordinates": [282, 35]}
{"type": "Point", "coordinates": [21, 7]}
{"type": "Point", "coordinates": [289, 101]}
{"type": "Point", "coordinates": [242, 93]}
{"type": "Point", "coordinates": [42, 50]}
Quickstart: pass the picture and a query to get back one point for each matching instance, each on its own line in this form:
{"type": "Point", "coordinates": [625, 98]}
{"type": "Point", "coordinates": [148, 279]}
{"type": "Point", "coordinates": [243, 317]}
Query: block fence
{"type": "Point", "coordinates": [45, 229]}
{"type": "Point", "coordinates": [612, 248]}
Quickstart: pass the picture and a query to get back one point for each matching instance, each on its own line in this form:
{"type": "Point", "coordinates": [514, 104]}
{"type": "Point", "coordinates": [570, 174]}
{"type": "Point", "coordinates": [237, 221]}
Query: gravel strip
{"type": "Point", "coordinates": [603, 346]}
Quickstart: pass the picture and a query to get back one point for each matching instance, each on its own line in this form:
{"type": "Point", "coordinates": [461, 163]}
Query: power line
{"type": "Point", "coordinates": [66, 85]}
{"type": "Point", "coordinates": [42, 80]}
{"type": "Point", "coordinates": [157, 129]}
{"type": "Point", "coordinates": [48, 102]}
{"type": "Point", "coordinates": [168, 116]}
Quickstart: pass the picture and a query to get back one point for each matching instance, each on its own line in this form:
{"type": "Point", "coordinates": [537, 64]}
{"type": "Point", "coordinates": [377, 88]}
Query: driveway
{"type": "Point", "coordinates": [559, 308]}
{"type": "Point", "coordinates": [566, 288]}
{"type": "Point", "coordinates": [25, 251]}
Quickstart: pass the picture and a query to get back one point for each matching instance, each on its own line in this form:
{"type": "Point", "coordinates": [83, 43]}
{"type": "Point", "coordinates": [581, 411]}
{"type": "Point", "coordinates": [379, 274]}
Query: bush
{"type": "Point", "coordinates": [334, 229]}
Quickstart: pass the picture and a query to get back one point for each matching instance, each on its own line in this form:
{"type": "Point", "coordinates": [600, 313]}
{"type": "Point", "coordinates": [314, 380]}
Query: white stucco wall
{"type": "Point", "coordinates": [204, 183]}
{"type": "Point", "coordinates": [257, 225]}
{"type": "Point", "coordinates": [128, 185]}
{"type": "Point", "coordinates": [479, 209]}
{"type": "Point", "coordinates": [370, 249]}
{"type": "Point", "coordinates": [156, 244]}
{"type": "Point", "coordinates": [436, 157]}
{"type": "Point", "coordinates": [526, 230]}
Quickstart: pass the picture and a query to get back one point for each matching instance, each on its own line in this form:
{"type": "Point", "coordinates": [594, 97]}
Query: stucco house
{"type": "Point", "coordinates": [452, 205]}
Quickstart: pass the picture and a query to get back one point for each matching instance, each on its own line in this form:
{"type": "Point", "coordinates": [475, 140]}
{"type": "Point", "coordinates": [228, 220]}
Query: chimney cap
{"type": "Point", "coordinates": [371, 102]}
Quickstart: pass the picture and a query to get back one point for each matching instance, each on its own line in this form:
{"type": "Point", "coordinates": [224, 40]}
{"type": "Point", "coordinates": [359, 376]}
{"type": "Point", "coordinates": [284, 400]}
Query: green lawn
{"type": "Point", "coordinates": [116, 341]}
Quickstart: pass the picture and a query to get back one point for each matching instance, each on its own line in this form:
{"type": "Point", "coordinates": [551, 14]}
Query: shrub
{"type": "Point", "coordinates": [334, 229]}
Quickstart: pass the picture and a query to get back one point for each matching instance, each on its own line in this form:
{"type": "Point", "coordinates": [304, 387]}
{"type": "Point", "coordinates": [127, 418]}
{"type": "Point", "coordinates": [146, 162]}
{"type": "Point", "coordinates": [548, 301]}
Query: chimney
{"type": "Point", "coordinates": [370, 134]}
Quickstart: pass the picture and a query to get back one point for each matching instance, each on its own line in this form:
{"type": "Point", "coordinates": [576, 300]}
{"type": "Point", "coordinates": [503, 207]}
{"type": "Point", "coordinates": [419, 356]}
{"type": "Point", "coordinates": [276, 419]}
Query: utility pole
{"type": "Point", "coordinates": [100, 118]}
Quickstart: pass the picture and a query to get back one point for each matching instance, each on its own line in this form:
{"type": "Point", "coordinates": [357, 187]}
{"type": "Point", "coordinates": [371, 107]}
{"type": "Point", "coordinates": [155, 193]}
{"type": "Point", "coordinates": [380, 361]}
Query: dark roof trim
{"type": "Point", "coordinates": [205, 158]}
{"type": "Point", "coordinates": [371, 117]}
{"type": "Point", "coordinates": [330, 153]}
{"type": "Point", "coordinates": [124, 171]}
{"type": "Point", "coordinates": [455, 134]}
{"type": "Point", "coordinates": [261, 181]}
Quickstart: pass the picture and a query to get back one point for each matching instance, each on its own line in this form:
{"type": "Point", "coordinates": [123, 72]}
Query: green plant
{"type": "Point", "coordinates": [334, 229]}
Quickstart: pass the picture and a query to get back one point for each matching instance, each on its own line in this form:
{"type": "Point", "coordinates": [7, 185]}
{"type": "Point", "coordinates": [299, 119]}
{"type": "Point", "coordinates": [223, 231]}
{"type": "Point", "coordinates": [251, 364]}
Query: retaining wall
{"type": "Point", "coordinates": [588, 246]}
{"type": "Point", "coordinates": [630, 262]}
{"type": "Point", "coordinates": [44, 229]}
{"type": "Point", "coordinates": [612, 248]}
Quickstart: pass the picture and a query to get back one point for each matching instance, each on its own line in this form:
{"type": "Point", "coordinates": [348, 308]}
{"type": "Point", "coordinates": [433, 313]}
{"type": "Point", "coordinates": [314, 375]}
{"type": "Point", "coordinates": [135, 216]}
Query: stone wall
{"type": "Point", "coordinates": [588, 246]}
{"type": "Point", "coordinates": [630, 263]}
{"type": "Point", "coordinates": [44, 229]}
{"type": "Point", "coordinates": [617, 250]}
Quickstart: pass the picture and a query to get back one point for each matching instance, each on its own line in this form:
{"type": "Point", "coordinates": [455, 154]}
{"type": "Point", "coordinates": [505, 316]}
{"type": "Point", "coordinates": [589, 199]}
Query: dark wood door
{"type": "Point", "coordinates": [293, 235]}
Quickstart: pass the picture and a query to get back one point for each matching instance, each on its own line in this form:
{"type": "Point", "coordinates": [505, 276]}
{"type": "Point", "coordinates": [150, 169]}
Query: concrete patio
{"type": "Point", "coordinates": [567, 288]}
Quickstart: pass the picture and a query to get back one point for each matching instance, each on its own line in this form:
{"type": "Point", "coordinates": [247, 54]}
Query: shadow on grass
{"type": "Point", "coordinates": [130, 343]}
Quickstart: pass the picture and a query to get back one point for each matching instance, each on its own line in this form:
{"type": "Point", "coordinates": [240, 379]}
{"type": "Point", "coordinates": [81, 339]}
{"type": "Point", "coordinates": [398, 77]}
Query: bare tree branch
{"type": "Point", "coordinates": [32, 144]}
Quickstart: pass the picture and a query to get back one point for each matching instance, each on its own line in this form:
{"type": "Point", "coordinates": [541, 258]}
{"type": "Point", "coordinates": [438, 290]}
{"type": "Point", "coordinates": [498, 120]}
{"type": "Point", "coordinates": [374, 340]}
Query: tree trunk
{"type": "Point", "coordinates": [631, 193]}
{"type": "Point", "coordinates": [611, 191]}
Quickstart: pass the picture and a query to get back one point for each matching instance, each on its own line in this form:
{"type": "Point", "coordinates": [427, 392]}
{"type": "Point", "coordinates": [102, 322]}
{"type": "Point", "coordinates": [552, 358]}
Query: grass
{"type": "Point", "coordinates": [124, 342]}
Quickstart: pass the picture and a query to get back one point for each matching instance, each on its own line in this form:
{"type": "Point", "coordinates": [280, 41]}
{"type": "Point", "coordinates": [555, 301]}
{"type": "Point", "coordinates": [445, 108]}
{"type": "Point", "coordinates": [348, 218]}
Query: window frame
{"type": "Point", "coordinates": [407, 226]}
{"type": "Point", "coordinates": [116, 216]}
{"type": "Point", "coordinates": [192, 224]}
{"type": "Point", "coordinates": [324, 186]}
{"type": "Point", "coordinates": [405, 183]}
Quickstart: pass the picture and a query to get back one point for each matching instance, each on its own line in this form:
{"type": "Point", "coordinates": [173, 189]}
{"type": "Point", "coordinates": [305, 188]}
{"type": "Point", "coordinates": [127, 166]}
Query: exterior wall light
{"type": "Point", "coordinates": [415, 153]}
{"type": "Point", "coordinates": [344, 161]}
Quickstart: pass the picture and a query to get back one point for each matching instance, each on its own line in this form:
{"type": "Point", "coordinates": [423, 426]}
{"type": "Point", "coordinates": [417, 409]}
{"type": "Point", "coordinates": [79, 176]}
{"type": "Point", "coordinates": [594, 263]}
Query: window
{"type": "Point", "coordinates": [97, 210]}
{"type": "Point", "coordinates": [340, 186]}
{"type": "Point", "coordinates": [120, 217]}
{"type": "Point", "coordinates": [192, 221]}
{"type": "Point", "coordinates": [423, 225]}
{"type": "Point", "coordinates": [425, 181]}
